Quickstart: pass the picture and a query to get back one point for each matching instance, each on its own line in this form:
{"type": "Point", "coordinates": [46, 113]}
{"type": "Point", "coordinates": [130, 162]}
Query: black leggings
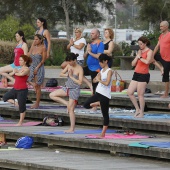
{"type": "Point", "coordinates": [166, 66]}
{"type": "Point", "coordinates": [20, 95]}
{"type": "Point", "coordinates": [93, 74]}
{"type": "Point", "coordinates": [104, 103]}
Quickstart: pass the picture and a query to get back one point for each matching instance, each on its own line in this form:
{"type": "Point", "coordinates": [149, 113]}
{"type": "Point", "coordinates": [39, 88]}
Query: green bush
{"type": "Point", "coordinates": [58, 52]}
{"type": "Point", "coordinates": [10, 25]}
{"type": "Point", "coordinates": [7, 52]}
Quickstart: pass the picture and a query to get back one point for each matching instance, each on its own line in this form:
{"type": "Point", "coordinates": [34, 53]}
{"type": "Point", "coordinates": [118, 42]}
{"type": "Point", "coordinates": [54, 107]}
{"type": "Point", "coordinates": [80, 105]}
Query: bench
{"type": "Point", "coordinates": [125, 61]}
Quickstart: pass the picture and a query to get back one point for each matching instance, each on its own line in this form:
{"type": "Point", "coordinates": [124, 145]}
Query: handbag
{"type": "Point", "coordinates": [117, 84]}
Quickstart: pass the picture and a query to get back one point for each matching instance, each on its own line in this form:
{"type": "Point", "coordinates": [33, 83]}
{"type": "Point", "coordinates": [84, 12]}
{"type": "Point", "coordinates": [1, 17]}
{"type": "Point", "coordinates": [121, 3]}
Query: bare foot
{"type": "Point", "coordinates": [101, 135]}
{"type": "Point", "coordinates": [4, 82]}
{"type": "Point", "coordinates": [34, 106]}
{"type": "Point", "coordinates": [18, 124]}
{"type": "Point", "coordinates": [136, 114]}
{"type": "Point", "coordinates": [94, 108]}
{"type": "Point", "coordinates": [164, 96]}
{"type": "Point", "coordinates": [69, 131]}
{"type": "Point", "coordinates": [16, 104]}
{"type": "Point", "coordinates": [140, 115]}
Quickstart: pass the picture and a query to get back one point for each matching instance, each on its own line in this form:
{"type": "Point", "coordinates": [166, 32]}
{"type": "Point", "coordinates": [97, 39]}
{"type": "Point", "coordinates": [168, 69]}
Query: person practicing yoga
{"type": "Point", "coordinates": [74, 73]}
{"type": "Point", "coordinates": [38, 54]}
{"type": "Point", "coordinates": [103, 91]}
{"type": "Point", "coordinates": [141, 75]}
{"type": "Point", "coordinates": [21, 48]}
{"type": "Point", "coordinates": [20, 89]}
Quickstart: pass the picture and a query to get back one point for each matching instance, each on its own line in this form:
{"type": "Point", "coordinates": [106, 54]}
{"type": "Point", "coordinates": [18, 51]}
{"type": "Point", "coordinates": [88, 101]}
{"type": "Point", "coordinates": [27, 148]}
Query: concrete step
{"type": "Point", "coordinates": [114, 146]}
{"type": "Point", "coordinates": [152, 101]}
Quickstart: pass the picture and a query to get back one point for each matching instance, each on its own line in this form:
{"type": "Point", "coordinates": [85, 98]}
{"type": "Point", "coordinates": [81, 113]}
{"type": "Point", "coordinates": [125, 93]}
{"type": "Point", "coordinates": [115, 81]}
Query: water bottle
{"type": "Point", "coordinates": [117, 86]}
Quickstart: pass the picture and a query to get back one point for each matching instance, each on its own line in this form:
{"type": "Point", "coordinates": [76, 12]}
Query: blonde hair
{"type": "Point", "coordinates": [78, 29]}
{"type": "Point", "coordinates": [110, 32]}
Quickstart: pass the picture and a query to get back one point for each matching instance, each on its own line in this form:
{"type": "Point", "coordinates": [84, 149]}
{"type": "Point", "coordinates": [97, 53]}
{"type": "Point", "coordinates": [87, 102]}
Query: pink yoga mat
{"type": "Point", "coordinates": [117, 136]}
{"type": "Point", "coordinates": [24, 124]}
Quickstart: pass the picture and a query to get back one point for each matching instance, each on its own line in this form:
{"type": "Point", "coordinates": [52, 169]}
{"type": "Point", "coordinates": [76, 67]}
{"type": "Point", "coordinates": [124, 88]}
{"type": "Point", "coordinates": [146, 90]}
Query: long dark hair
{"type": "Point", "coordinates": [44, 22]}
{"type": "Point", "coordinates": [21, 33]}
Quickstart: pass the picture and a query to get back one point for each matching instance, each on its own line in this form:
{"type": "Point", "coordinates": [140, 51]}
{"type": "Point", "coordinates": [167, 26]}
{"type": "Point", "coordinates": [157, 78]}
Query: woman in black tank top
{"type": "Point", "coordinates": [109, 44]}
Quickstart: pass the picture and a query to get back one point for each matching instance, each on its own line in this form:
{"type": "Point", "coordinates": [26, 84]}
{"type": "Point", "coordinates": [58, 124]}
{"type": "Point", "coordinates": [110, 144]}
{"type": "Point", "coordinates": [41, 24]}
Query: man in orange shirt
{"type": "Point", "coordinates": [164, 46]}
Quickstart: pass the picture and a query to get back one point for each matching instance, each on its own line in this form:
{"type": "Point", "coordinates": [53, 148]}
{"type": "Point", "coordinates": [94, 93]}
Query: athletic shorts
{"type": "Point", "coordinates": [14, 66]}
{"type": "Point", "coordinates": [141, 77]}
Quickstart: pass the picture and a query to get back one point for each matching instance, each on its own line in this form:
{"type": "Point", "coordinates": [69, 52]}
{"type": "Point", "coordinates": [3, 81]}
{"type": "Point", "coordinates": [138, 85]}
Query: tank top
{"type": "Point", "coordinates": [106, 46]}
{"type": "Point", "coordinates": [45, 39]}
{"type": "Point", "coordinates": [101, 88]}
{"type": "Point", "coordinates": [20, 82]}
{"type": "Point", "coordinates": [141, 67]}
{"type": "Point", "coordinates": [18, 51]}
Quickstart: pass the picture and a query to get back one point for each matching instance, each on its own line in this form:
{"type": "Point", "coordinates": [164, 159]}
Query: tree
{"type": "Point", "coordinates": [154, 12]}
{"type": "Point", "coordinates": [55, 10]}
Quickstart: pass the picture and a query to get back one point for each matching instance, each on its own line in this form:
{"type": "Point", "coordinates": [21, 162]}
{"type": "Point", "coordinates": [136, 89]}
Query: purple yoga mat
{"type": "Point", "coordinates": [52, 107]}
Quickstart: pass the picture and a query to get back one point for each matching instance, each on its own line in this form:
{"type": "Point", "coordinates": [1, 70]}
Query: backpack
{"type": "Point", "coordinates": [25, 142]}
{"type": "Point", "coordinates": [53, 121]}
{"type": "Point", "coordinates": [52, 83]}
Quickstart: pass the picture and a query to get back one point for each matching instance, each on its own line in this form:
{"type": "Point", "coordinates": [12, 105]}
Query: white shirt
{"type": "Point", "coordinates": [101, 88]}
{"type": "Point", "coordinates": [77, 51]}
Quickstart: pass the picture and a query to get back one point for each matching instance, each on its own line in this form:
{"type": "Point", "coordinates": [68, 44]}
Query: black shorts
{"type": "Point", "coordinates": [141, 77]}
{"type": "Point", "coordinates": [166, 66]}
{"type": "Point", "coordinates": [20, 95]}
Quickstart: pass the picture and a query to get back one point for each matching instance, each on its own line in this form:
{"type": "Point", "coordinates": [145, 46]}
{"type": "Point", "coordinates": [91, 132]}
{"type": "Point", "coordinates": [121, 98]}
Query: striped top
{"type": "Point", "coordinates": [71, 84]}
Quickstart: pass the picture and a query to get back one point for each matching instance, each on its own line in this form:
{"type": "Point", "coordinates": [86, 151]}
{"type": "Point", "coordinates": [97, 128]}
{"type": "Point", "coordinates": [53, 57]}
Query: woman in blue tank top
{"type": "Point", "coordinates": [42, 30]}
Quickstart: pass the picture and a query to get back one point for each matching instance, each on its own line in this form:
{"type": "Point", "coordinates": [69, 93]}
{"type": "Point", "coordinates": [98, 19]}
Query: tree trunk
{"type": "Point", "coordinates": [67, 24]}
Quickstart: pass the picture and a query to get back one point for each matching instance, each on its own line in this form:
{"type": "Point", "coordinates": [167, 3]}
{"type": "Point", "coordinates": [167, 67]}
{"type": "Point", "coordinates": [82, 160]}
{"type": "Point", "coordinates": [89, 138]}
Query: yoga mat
{"type": "Point", "coordinates": [6, 121]}
{"type": "Point", "coordinates": [148, 116]}
{"type": "Point", "coordinates": [86, 131]}
{"type": "Point", "coordinates": [117, 136]}
{"type": "Point", "coordinates": [2, 102]}
{"type": "Point", "coordinates": [157, 144]}
{"type": "Point", "coordinates": [85, 92]}
{"type": "Point", "coordinates": [24, 124]}
{"type": "Point", "coordinates": [11, 149]}
{"type": "Point", "coordinates": [53, 107]}
{"type": "Point", "coordinates": [137, 144]}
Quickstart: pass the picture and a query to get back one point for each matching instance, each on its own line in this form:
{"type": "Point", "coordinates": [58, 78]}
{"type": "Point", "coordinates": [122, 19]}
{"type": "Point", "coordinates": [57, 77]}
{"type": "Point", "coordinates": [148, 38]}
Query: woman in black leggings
{"type": "Point", "coordinates": [103, 91]}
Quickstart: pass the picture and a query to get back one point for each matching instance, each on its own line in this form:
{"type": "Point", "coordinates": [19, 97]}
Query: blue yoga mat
{"type": "Point", "coordinates": [157, 144]}
{"type": "Point", "coordinates": [148, 116]}
{"type": "Point", "coordinates": [87, 131]}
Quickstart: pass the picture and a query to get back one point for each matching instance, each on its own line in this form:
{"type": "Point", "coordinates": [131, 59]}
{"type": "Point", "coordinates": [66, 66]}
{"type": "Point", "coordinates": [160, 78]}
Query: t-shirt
{"type": "Point", "coordinates": [164, 41]}
{"type": "Point", "coordinates": [93, 63]}
{"type": "Point", "coordinates": [77, 51]}
{"type": "Point", "coordinates": [101, 88]}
